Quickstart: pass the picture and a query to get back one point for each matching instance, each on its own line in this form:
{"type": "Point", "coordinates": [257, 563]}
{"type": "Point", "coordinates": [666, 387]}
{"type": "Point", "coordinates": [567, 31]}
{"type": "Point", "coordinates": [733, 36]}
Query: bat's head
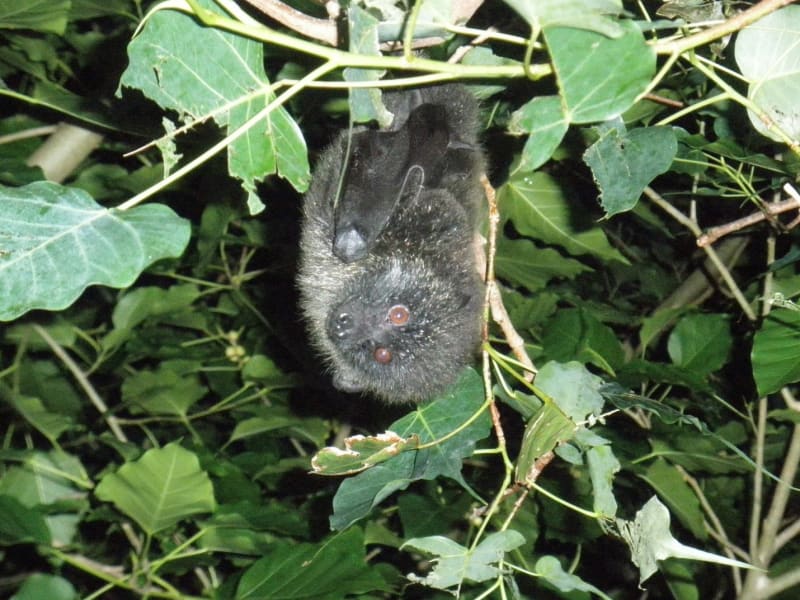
{"type": "Point", "coordinates": [403, 332]}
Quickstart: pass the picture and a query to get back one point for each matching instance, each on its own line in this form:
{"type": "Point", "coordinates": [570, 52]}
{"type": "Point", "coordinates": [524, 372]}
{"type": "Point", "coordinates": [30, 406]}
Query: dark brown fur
{"type": "Point", "coordinates": [397, 230]}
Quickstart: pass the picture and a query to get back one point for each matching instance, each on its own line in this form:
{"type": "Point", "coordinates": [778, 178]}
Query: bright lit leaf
{"type": "Point", "coordinates": [768, 54]}
{"type": "Point", "coordinates": [63, 242]}
{"type": "Point", "coordinates": [163, 487]}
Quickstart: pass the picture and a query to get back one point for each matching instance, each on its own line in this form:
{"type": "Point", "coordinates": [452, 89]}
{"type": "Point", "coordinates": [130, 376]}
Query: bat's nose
{"type": "Point", "coordinates": [342, 325]}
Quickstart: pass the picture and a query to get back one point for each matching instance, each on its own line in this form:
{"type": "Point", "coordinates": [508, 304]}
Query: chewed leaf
{"type": "Point", "coordinates": [361, 452]}
{"type": "Point", "coordinates": [56, 241]}
{"type": "Point", "coordinates": [203, 71]}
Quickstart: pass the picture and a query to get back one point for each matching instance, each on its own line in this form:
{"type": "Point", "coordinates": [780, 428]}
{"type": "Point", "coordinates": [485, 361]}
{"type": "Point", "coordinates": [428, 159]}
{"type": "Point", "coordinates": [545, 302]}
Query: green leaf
{"type": "Point", "coordinates": [550, 569]}
{"type": "Point", "coordinates": [573, 388]}
{"type": "Point", "coordinates": [357, 495]}
{"type": "Point", "coordinates": [776, 351]}
{"type": "Point", "coordinates": [46, 479]}
{"type": "Point", "coordinates": [163, 487]}
{"type": "Point", "coordinates": [624, 163]}
{"type": "Point", "coordinates": [249, 527]}
{"type": "Point", "coordinates": [33, 410]}
{"type": "Point", "coordinates": [599, 77]}
{"type": "Point", "coordinates": [60, 100]}
{"type": "Point", "coordinates": [520, 262]}
{"type": "Point", "coordinates": [199, 71]}
{"type": "Point", "coordinates": [165, 391]}
{"type": "Point", "coordinates": [335, 568]}
{"type": "Point", "coordinates": [656, 323]}
{"type": "Point", "coordinates": [638, 371]}
{"type": "Point", "coordinates": [650, 540]}
{"type": "Point", "coordinates": [49, 16]}
{"type": "Point", "coordinates": [456, 563]}
{"type": "Point", "coordinates": [574, 334]}
{"type": "Point", "coordinates": [56, 241]}
{"type": "Point", "coordinates": [537, 206]}
{"type": "Point", "coordinates": [603, 465]}
{"type": "Point", "coordinates": [21, 524]}
{"type": "Point", "coordinates": [548, 428]}
{"type": "Point", "coordinates": [543, 120]}
{"type": "Point", "coordinates": [584, 14]}
{"type": "Point", "coordinates": [670, 485]}
{"type": "Point", "coordinates": [40, 585]}
{"type": "Point", "coordinates": [701, 342]}
{"type": "Point", "coordinates": [768, 55]}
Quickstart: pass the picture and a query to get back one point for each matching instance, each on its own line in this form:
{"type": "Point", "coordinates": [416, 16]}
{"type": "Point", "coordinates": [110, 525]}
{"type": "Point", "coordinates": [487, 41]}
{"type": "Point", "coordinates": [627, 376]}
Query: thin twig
{"type": "Point", "coordinates": [714, 525]}
{"type": "Point", "coordinates": [692, 226]}
{"type": "Point", "coordinates": [494, 298]}
{"type": "Point", "coordinates": [83, 381]}
{"type": "Point", "coordinates": [769, 210]}
{"type": "Point", "coordinates": [732, 25]}
{"type": "Point", "coordinates": [494, 220]}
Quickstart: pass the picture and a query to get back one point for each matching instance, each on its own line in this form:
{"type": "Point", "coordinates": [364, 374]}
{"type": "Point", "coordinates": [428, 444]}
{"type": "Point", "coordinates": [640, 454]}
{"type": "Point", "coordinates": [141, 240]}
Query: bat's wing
{"type": "Point", "coordinates": [386, 170]}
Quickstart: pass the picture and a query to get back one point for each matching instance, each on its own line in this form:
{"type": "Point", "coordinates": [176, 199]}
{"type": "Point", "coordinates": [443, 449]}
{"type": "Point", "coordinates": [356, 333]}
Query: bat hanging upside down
{"type": "Point", "coordinates": [388, 278]}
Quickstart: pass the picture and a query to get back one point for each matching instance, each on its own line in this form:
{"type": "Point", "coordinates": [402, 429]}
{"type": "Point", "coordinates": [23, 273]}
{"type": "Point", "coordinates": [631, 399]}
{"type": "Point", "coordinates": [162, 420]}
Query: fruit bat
{"type": "Point", "coordinates": [388, 280]}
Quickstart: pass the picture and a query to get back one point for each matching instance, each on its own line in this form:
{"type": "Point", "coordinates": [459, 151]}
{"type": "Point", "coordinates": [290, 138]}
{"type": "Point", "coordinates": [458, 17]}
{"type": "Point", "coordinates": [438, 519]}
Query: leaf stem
{"type": "Point", "coordinates": [83, 381]}
{"type": "Point", "coordinates": [223, 143]}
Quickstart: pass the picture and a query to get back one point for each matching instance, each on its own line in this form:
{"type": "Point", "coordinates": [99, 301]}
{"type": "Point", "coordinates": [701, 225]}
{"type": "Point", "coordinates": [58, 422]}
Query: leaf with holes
{"type": "Point", "coordinates": [202, 71]}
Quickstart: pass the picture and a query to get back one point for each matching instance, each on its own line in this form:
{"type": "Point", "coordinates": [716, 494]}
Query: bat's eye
{"type": "Point", "coordinates": [399, 315]}
{"type": "Point", "coordinates": [383, 356]}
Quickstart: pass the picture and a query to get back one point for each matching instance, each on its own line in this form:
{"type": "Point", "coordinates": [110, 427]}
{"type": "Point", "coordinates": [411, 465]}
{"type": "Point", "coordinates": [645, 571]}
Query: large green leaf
{"type": "Point", "coordinates": [522, 263]}
{"type": "Point", "coordinates": [776, 351]}
{"type": "Point", "coordinates": [538, 207]}
{"type": "Point", "coordinates": [357, 495]}
{"type": "Point", "coordinates": [197, 70]}
{"type": "Point", "coordinates": [768, 54]}
{"type": "Point", "coordinates": [55, 241]}
{"type": "Point", "coordinates": [160, 489]}
{"type": "Point", "coordinates": [575, 334]}
{"type": "Point", "coordinates": [599, 77]}
{"type": "Point", "coordinates": [701, 342]}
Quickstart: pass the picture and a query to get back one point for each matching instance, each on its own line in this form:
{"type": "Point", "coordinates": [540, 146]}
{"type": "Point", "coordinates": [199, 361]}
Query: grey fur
{"type": "Point", "coordinates": [412, 248]}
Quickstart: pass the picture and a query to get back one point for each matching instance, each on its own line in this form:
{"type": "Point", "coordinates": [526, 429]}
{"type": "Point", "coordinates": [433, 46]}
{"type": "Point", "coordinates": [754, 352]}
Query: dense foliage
{"type": "Point", "coordinates": [167, 432]}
